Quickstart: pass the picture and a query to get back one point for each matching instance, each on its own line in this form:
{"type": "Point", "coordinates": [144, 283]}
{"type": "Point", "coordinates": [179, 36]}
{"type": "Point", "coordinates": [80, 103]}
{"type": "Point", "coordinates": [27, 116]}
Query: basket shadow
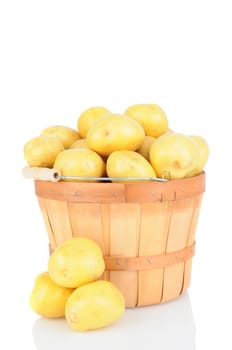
{"type": "Point", "coordinates": [164, 326]}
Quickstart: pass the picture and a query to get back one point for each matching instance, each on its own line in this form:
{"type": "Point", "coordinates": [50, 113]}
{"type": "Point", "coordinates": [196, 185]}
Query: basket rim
{"type": "Point", "coordinates": [93, 192]}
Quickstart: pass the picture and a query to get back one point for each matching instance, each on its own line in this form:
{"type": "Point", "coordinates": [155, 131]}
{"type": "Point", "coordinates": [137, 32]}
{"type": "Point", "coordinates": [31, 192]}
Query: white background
{"type": "Point", "coordinates": [58, 58]}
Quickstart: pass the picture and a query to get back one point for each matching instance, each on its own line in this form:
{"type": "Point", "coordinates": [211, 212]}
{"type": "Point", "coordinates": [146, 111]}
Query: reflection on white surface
{"type": "Point", "coordinates": [164, 327]}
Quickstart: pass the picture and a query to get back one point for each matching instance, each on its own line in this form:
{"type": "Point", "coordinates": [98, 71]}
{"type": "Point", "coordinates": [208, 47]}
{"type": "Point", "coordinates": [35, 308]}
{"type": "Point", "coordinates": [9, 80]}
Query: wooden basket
{"type": "Point", "coordinates": [146, 230]}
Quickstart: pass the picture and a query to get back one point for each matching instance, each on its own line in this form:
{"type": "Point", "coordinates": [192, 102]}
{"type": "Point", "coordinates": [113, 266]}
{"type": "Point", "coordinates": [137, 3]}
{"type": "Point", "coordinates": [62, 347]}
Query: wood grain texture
{"type": "Point", "coordinates": [105, 218]}
{"type": "Point", "coordinates": [181, 218]}
{"type": "Point", "coordinates": [86, 221]}
{"type": "Point", "coordinates": [59, 220]}
{"type": "Point", "coordinates": [155, 219]}
{"type": "Point", "coordinates": [129, 220]}
{"type": "Point", "coordinates": [124, 238]}
{"type": "Point", "coordinates": [190, 240]}
{"type": "Point", "coordinates": [51, 235]}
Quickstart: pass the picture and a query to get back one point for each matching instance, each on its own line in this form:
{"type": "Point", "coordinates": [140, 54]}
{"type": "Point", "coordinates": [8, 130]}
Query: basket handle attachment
{"type": "Point", "coordinates": [39, 173]}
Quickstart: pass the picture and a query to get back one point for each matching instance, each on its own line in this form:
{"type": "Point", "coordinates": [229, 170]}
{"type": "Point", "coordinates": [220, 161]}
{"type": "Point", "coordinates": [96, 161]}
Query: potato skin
{"type": "Point", "coordinates": [114, 133]}
{"type": "Point", "coordinates": [128, 164]}
{"type": "Point", "coordinates": [94, 305]}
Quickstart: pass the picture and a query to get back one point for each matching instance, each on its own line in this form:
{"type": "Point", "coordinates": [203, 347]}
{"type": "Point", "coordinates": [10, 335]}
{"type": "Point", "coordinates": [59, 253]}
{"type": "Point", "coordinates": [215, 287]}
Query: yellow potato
{"type": "Point", "coordinates": [76, 262]}
{"type": "Point", "coordinates": [89, 117]}
{"type": "Point", "coordinates": [66, 135]}
{"type": "Point", "coordinates": [173, 155]}
{"type": "Point", "coordinates": [94, 305]}
{"type": "Point", "coordinates": [114, 133]}
{"type": "Point", "coordinates": [202, 156]}
{"type": "Point", "coordinates": [47, 298]}
{"type": "Point", "coordinates": [81, 143]}
{"type": "Point", "coordinates": [128, 164]}
{"type": "Point", "coordinates": [41, 151]}
{"type": "Point", "coordinates": [151, 116]}
{"type": "Point", "coordinates": [145, 147]}
{"type": "Point", "coordinates": [80, 162]}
